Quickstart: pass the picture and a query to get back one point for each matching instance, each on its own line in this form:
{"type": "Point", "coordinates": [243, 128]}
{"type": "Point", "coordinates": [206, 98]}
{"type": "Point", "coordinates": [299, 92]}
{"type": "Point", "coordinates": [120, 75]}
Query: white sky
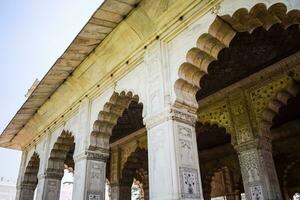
{"type": "Point", "coordinates": [33, 34]}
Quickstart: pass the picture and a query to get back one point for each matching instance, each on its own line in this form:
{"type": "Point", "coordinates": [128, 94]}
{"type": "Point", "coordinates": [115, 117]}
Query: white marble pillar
{"type": "Point", "coordinates": [89, 176]}
{"type": "Point", "coordinates": [51, 182]}
{"type": "Point", "coordinates": [26, 191]}
{"type": "Point", "coordinates": [173, 157]}
{"type": "Point", "coordinates": [258, 170]}
{"type": "Point", "coordinates": [21, 175]}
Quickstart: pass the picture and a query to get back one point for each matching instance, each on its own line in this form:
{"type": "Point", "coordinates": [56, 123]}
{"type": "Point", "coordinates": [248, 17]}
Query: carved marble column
{"type": "Point", "coordinates": [173, 157]}
{"type": "Point", "coordinates": [89, 175]}
{"type": "Point", "coordinates": [21, 175]}
{"type": "Point", "coordinates": [258, 170]}
{"type": "Point", "coordinates": [27, 191]}
{"type": "Point", "coordinates": [255, 153]}
{"type": "Point", "coordinates": [51, 182]}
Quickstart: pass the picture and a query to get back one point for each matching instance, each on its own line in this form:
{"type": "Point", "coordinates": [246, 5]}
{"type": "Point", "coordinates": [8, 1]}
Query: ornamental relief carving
{"type": "Point", "coordinates": [249, 165]}
{"type": "Point", "coordinates": [262, 95]}
{"type": "Point", "coordinates": [186, 152]}
{"type": "Point", "coordinates": [256, 192]}
{"type": "Point", "coordinates": [154, 65]}
{"type": "Point", "coordinates": [240, 118]}
{"type": "Point", "coordinates": [190, 187]}
{"type": "Point", "coordinates": [219, 115]}
{"type": "Point", "coordinates": [184, 132]}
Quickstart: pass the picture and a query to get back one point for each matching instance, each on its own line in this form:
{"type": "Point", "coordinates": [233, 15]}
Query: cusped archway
{"type": "Point", "coordinates": [30, 179]}
{"type": "Point", "coordinates": [235, 47]}
{"type": "Point", "coordinates": [120, 116]}
{"type": "Point", "coordinates": [281, 121]}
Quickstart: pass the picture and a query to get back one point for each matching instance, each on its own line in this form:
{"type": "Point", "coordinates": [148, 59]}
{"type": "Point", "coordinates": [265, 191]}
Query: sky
{"type": "Point", "coordinates": [33, 34]}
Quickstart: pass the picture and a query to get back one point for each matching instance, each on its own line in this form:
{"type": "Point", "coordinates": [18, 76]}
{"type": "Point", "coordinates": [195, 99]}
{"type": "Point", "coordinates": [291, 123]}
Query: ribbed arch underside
{"type": "Point", "coordinates": [209, 136]}
{"type": "Point", "coordinates": [235, 47]}
{"type": "Point", "coordinates": [31, 171]}
{"type": "Point", "coordinates": [121, 115]}
{"type": "Point", "coordinates": [283, 108]}
{"type": "Point", "coordinates": [60, 152]}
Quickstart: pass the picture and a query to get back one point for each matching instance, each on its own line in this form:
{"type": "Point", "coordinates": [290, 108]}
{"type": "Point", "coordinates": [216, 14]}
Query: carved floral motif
{"type": "Point", "coordinates": [190, 187]}
{"type": "Point", "coordinates": [216, 115]}
{"type": "Point", "coordinates": [259, 97]}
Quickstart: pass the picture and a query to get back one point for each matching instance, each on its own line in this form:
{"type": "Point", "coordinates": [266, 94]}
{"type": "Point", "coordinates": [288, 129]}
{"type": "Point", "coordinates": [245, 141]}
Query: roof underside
{"type": "Point", "coordinates": [101, 23]}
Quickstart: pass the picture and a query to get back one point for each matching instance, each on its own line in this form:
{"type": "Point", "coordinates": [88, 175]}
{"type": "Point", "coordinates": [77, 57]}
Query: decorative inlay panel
{"type": "Point", "coordinates": [260, 97]}
{"type": "Point", "coordinates": [218, 114]}
{"type": "Point", "coordinates": [190, 187]}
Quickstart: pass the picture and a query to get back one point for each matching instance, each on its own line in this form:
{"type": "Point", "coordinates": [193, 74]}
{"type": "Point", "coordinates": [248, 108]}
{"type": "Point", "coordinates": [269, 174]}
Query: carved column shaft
{"type": "Point", "coordinates": [173, 157]}
{"type": "Point", "coordinates": [255, 152]}
{"type": "Point", "coordinates": [27, 191]}
{"type": "Point", "coordinates": [21, 174]}
{"type": "Point", "coordinates": [258, 170]}
{"type": "Point", "coordinates": [51, 182]}
{"type": "Point", "coordinates": [89, 176]}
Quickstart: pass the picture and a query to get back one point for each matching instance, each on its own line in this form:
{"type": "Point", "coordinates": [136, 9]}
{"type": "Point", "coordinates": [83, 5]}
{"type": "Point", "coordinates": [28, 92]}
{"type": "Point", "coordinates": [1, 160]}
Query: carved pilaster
{"type": "Point", "coordinates": [255, 153]}
{"type": "Point", "coordinates": [26, 191]}
{"type": "Point", "coordinates": [218, 113]}
{"type": "Point", "coordinates": [172, 113]}
{"type": "Point", "coordinates": [89, 175]}
{"type": "Point", "coordinates": [173, 155]}
{"type": "Point", "coordinates": [51, 182]}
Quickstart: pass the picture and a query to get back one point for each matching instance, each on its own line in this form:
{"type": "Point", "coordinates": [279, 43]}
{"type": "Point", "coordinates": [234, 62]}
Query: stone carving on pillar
{"type": "Point", "coordinates": [185, 145]}
{"type": "Point", "coordinates": [94, 178]}
{"type": "Point", "coordinates": [154, 64]}
{"type": "Point", "coordinates": [249, 162]}
{"type": "Point", "coordinates": [255, 153]}
{"type": "Point", "coordinates": [190, 187]}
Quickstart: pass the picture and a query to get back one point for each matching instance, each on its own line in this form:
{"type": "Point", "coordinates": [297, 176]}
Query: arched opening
{"type": "Point", "coordinates": [283, 117]}
{"type": "Point", "coordinates": [120, 128]}
{"type": "Point", "coordinates": [235, 47]}
{"type": "Point", "coordinates": [30, 179]}
{"type": "Point", "coordinates": [134, 180]}
{"type": "Point", "coordinates": [61, 167]}
{"type": "Point", "coordinates": [219, 164]}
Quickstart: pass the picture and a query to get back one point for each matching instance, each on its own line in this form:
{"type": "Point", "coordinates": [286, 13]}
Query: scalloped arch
{"type": "Point", "coordinates": [281, 100]}
{"type": "Point", "coordinates": [108, 118]}
{"type": "Point", "coordinates": [59, 153]}
{"type": "Point", "coordinates": [31, 171]}
{"type": "Point", "coordinates": [201, 60]}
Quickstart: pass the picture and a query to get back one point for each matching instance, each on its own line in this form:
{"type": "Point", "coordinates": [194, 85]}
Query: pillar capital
{"type": "Point", "coordinates": [99, 155]}
{"type": "Point", "coordinates": [54, 174]}
{"type": "Point", "coordinates": [262, 143]}
{"type": "Point", "coordinates": [187, 116]}
{"type": "Point", "coordinates": [27, 186]}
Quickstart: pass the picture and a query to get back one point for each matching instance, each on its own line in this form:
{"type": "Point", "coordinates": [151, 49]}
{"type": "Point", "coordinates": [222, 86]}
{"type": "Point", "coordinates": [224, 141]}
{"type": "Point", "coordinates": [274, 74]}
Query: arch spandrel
{"type": "Point", "coordinates": [196, 75]}
{"type": "Point", "coordinates": [218, 114]}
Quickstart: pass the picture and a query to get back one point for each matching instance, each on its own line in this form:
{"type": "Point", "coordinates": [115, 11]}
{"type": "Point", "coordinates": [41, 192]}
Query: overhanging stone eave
{"type": "Point", "coordinates": [102, 22]}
